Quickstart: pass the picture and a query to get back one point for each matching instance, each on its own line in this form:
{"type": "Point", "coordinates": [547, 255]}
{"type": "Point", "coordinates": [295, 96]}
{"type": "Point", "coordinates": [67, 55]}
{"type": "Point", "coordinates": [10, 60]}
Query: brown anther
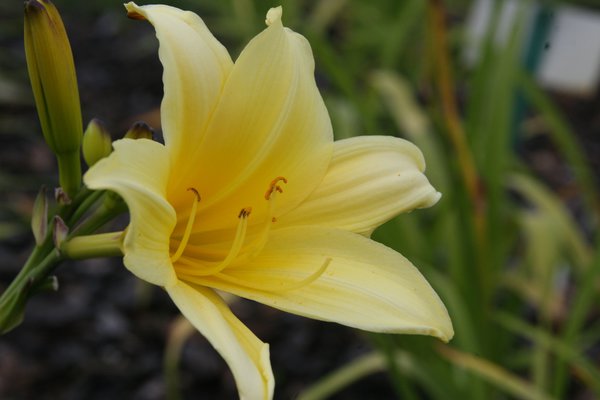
{"type": "Point", "coordinates": [273, 219]}
{"type": "Point", "coordinates": [191, 189]}
{"type": "Point", "coordinates": [245, 212]}
{"type": "Point", "coordinates": [275, 187]}
{"type": "Point", "coordinates": [279, 178]}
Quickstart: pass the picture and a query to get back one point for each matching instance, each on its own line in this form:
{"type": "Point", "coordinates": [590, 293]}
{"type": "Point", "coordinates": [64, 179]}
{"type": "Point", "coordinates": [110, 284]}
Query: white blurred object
{"type": "Point", "coordinates": [570, 61]}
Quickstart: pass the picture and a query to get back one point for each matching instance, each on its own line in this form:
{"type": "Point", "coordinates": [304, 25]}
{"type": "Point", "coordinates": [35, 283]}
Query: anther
{"type": "Point", "coordinates": [245, 212]}
{"type": "Point", "coordinates": [274, 187]}
{"type": "Point", "coordinates": [191, 189]}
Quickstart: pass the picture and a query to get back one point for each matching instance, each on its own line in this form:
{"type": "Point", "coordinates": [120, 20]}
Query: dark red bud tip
{"type": "Point", "coordinates": [33, 6]}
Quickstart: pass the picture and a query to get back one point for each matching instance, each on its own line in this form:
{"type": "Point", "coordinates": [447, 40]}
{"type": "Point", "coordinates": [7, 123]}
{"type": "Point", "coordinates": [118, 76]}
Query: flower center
{"type": "Point", "coordinates": [192, 266]}
{"type": "Point", "coordinates": [192, 269]}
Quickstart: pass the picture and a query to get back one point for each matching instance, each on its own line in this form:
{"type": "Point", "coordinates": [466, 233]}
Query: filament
{"type": "Point", "coordinates": [234, 251]}
{"type": "Point", "coordinates": [188, 227]}
{"type": "Point", "coordinates": [270, 195]}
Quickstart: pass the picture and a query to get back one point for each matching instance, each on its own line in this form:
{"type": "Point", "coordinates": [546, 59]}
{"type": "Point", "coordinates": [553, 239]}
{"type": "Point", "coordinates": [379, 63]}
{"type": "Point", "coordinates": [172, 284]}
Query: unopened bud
{"type": "Point", "coordinates": [61, 230]}
{"type": "Point", "coordinates": [61, 196]}
{"type": "Point", "coordinates": [54, 83]}
{"type": "Point", "coordinates": [39, 217]}
{"type": "Point", "coordinates": [140, 130]}
{"type": "Point", "coordinates": [96, 142]}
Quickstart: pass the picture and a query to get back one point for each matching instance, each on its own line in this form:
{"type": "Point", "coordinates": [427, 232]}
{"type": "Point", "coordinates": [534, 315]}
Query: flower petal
{"type": "Point", "coordinates": [271, 121]}
{"type": "Point", "coordinates": [195, 66]}
{"type": "Point", "coordinates": [138, 171]}
{"type": "Point", "coordinates": [245, 354]}
{"type": "Point", "coordinates": [365, 284]}
{"type": "Point", "coordinates": [370, 180]}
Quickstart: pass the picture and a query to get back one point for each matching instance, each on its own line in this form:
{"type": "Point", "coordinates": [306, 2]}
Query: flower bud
{"type": "Point", "coordinates": [61, 197]}
{"type": "Point", "coordinates": [140, 130]}
{"type": "Point", "coordinates": [39, 217]}
{"type": "Point", "coordinates": [96, 142]}
{"type": "Point", "coordinates": [54, 83]}
{"type": "Point", "coordinates": [60, 231]}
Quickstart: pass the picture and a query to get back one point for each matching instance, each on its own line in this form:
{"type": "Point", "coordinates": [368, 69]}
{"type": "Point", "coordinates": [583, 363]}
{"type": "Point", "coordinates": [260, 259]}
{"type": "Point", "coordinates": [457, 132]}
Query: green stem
{"type": "Point", "coordinates": [91, 246]}
{"type": "Point", "coordinates": [108, 210]}
{"type": "Point", "coordinates": [33, 277]}
{"type": "Point", "coordinates": [39, 265]}
{"type": "Point", "coordinates": [348, 374]}
{"type": "Point", "coordinates": [85, 205]}
{"type": "Point", "coordinates": [69, 172]}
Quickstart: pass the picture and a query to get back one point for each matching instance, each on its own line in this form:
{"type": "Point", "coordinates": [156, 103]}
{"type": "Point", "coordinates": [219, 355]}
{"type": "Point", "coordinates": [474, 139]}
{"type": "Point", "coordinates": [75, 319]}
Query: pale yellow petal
{"type": "Point", "coordinates": [138, 171]}
{"type": "Point", "coordinates": [271, 121]}
{"type": "Point", "coordinates": [370, 180]}
{"type": "Point", "coordinates": [364, 285]}
{"type": "Point", "coordinates": [246, 355]}
{"type": "Point", "coordinates": [195, 66]}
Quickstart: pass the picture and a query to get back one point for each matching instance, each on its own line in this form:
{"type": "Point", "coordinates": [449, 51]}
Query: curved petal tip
{"type": "Point", "coordinates": [274, 15]}
{"type": "Point", "coordinates": [133, 11]}
{"type": "Point", "coordinates": [432, 199]}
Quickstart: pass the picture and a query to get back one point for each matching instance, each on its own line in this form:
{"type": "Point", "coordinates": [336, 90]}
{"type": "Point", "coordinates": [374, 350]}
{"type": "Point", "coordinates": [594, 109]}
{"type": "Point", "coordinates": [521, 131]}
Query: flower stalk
{"type": "Point", "coordinates": [92, 246]}
{"type": "Point", "coordinates": [38, 267]}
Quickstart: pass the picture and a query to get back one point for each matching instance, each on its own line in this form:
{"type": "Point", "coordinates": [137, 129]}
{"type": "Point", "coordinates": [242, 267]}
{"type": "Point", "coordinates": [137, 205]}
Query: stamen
{"type": "Point", "coordinates": [270, 196]}
{"type": "Point", "coordinates": [192, 268]}
{"type": "Point", "coordinates": [188, 227]}
{"type": "Point", "coordinates": [279, 288]}
{"type": "Point", "coordinates": [274, 187]}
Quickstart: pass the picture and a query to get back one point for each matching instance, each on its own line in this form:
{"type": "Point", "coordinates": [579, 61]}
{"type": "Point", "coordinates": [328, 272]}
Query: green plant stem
{"type": "Point", "coordinates": [351, 372]}
{"type": "Point", "coordinates": [180, 332]}
{"type": "Point", "coordinates": [565, 351]}
{"type": "Point", "coordinates": [45, 257]}
{"type": "Point", "coordinates": [586, 294]}
{"type": "Point", "coordinates": [562, 134]}
{"type": "Point", "coordinates": [471, 202]}
{"type": "Point", "coordinates": [92, 246]}
{"type": "Point", "coordinates": [493, 373]}
{"type": "Point", "coordinates": [38, 266]}
{"type": "Point", "coordinates": [69, 172]}
{"type": "Point", "coordinates": [450, 112]}
{"type": "Point", "coordinates": [85, 205]}
{"type": "Point", "coordinates": [108, 210]}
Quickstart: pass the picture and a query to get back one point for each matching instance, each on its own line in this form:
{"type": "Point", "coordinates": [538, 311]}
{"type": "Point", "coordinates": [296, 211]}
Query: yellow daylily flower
{"type": "Point", "coordinates": [250, 195]}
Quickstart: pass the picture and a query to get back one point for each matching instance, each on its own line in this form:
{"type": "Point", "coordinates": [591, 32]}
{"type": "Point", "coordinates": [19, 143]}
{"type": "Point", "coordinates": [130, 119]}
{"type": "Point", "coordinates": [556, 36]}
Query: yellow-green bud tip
{"type": "Point", "coordinates": [97, 143]}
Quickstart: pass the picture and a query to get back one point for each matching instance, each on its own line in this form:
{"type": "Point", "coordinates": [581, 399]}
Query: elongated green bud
{"type": "Point", "coordinates": [54, 83]}
{"type": "Point", "coordinates": [140, 130]}
{"type": "Point", "coordinates": [39, 217]}
{"type": "Point", "coordinates": [96, 142]}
